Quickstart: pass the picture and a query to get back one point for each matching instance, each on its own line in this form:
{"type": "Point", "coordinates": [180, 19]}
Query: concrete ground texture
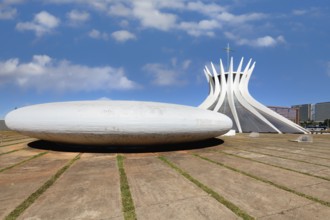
{"type": "Point", "coordinates": [236, 177]}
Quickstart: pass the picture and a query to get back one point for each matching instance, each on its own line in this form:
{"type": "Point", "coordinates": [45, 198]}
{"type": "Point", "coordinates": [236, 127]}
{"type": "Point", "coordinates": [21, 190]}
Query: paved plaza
{"type": "Point", "coordinates": [237, 177]}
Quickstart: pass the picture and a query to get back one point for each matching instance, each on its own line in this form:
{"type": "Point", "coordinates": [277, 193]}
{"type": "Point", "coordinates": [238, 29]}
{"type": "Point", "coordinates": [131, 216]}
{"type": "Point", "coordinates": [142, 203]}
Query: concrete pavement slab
{"type": "Point", "coordinates": [309, 185]}
{"type": "Point", "coordinates": [285, 163]}
{"type": "Point", "coordinates": [16, 141]}
{"type": "Point", "coordinates": [306, 212]}
{"type": "Point", "coordinates": [15, 157]}
{"type": "Point", "coordinates": [302, 146]}
{"type": "Point", "coordinates": [159, 192]}
{"type": "Point", "coordinates": [20, 182]}
{"type": "Point", "coordinates": [295, 153]}
{"type": "Point", "coordinates": [12, 147]}
{"type": "Point", "coordinates": [255, 197]}
{"type": "Point", "coordinates": [89, 189]}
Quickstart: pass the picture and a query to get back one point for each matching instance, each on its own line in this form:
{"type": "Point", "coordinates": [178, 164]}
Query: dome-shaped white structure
{"type": "Point", "coordinates": [117, 122]}
{"type": "Point", "coordinates": [229, 95]}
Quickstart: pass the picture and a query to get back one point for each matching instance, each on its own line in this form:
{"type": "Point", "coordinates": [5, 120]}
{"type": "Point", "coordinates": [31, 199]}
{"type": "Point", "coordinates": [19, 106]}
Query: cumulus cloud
{"type": "Point", "coordinates": [42, 23]}
{"type": "Point", "coordinates": [77, 17]}
{"type": "Point", "coordinates": [203, 27]}
{"type": "Point", "coordinates": [167, 75]}
{"type": "Point", "coordinates": [150, 16]}
{"type": "Point", "coordinates": [266, 41]}
{"type": "Point", "coordinates": [96, 34]}
{"type": "Point", "coordinates": [206, 18]}
{"type": "Point", "coordinates": [63, 75]}
{"type": "Point", "coordinates": [123, 35]}
{"type": "Point", "coordinates": [119, 9]}
{"type": "Point", "coordinates": [239, 19]}
{"type": "Point", "coordinates": [207, 9]}
{"type": "Point", "coordinates": [7, 13]}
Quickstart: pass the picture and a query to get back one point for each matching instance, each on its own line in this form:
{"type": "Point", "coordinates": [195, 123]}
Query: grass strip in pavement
{"type": "Point", "coordinates": [284, 168]}
{"type": "Point", "coordinates": [209, 191]}
{"type": "Point", "coordinates": [12, 151]}
{"type": "Point", "coordinates": [24, 161]}
{"type": "Point", "coordinates": [266, 181]}
{"type": "Point", "coordinates": [30, 200]}
{"type": "Point", "coordinates": [126, 197]}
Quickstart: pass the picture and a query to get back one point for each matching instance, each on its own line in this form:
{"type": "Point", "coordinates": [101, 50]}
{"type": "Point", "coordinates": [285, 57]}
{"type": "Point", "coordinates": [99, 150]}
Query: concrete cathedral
{"type": "Point", "coordinates": [229, 95]}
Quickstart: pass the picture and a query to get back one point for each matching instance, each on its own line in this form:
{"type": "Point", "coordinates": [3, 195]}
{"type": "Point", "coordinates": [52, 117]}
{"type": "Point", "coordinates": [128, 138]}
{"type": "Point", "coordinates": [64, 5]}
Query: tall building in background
{"type": "Point", "coordinates": [313, 112]}
{"type": "Point", "coordinates": [290, 113]}
{"type": "Point", "coordinates": [322, 111]}
{"type": "Point", "coordinates": [304, 111]}
{"type": "Point", "coordinates": [229, 95]}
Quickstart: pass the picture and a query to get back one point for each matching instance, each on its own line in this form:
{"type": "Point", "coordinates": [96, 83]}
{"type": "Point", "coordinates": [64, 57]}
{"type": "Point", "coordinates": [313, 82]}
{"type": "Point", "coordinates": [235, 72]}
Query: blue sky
{"type": "Point", "coordinates": [155, 50]}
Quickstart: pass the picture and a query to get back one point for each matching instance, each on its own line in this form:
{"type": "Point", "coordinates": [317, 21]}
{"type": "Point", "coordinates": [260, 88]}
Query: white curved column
{"type": "Point", "coordinates": [223, 91]}
{"type": "Point", "coordinates": [231, 96]}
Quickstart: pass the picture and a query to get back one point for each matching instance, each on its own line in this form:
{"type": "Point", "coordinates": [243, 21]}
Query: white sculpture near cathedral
{"type": "Point", "coordinates": [229, 95]}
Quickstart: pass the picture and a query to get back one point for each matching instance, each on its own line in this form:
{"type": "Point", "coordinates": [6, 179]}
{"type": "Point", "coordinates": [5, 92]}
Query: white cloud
{"type": "Point", "coordinates": [123, 36]}
{"type": "Point", "coordinates": [78, 17]}
{"type": "Point", "coordinates": [42, 23]}
{"type": "Point", "coordinates": [203, 27]}
{"type": "Point", "coordinates": [7, 13]}
{"type": "Point", "coordinates": [151, 17]}
{"type": "Point", "coordinates": [205, 18]}
{"type": "Point", "coordinates": [266, 41]}
{"type": "Point", "coordinates": [207, 9]}
{"type": "Point", "coordinates": [63, 75]}
{"type": "Point", "coordinates": [240, 19]}
{"type": "Point", "coordinates": [96, 34]}
{"type": "Point", "coordinates": [167, 75]}
{"type": "Point", "coordinates": [104, 99]}
{"type": "Point", "coordinates": [119, 9]}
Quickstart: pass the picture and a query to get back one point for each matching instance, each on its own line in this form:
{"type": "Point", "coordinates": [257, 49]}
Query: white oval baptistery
{"type": "Point", "coordinates": [117, 122]}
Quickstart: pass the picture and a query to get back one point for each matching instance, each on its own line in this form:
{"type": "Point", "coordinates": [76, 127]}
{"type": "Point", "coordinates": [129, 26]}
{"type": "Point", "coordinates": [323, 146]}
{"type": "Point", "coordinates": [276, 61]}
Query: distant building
{"type": "Point", "coordinates": [322, 111]}
{"type": "Point", "coordinates": [304, 112]}
{"type": "Point", "coordinates": [288, 112]}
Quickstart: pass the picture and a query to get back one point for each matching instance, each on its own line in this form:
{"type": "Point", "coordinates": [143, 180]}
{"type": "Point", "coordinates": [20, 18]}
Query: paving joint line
{"type": "Point", "coordinates": [15, 139]}
{"type": "Point", "coordinates": [231, 206]}
{"type": "Point", "coordinates": [34, 196]}
{"type": "Point", "coordinates": [312, 198]}
{"type": "Point", "coordinates": [12, 151]}
{"type": "Point", "coordinates": [21, 142]}
{"type": "Point", "coordinates": [260, 145]}
{"type": "Point", "coordinates": [311, 149]}
{"type": "Point", "coordinates": [126, 197]}
{"type": "Point", "coordinates": [283, 151]}
{"type": "Point", "coordinates": [270, 155]}
{"type": "Point", "coordinates": [24, 161]}
{"type": "Point", "coordinates": [284, 168]}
